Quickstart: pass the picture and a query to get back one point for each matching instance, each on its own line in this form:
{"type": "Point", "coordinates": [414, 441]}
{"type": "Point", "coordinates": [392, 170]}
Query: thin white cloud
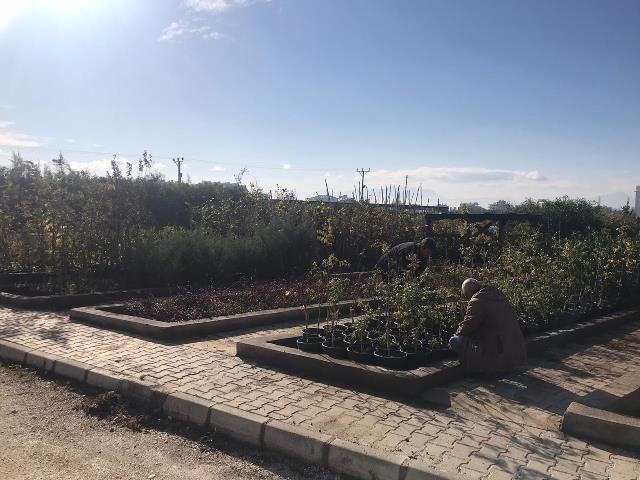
{"type": "Point", "coordinates": [173, 30]}
{"type": "Point", "coordinates": [219, 6]}
{"type": "Point", "coordinates": [10, 139]}
{"type": "Point", "coordinates": [454, 175]}
{"type": "Point", "coordinates": [101, 166]}
{"type": "Point", "coordinates": [286, 166]}
{"type": "Point", "coordinates": [218, 168]}
{"type": "Point", "coordinates": [183, 29]}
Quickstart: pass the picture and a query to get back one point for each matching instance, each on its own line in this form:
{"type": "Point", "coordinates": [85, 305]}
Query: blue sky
{"type": "Point", "coordinates": [473, 100]}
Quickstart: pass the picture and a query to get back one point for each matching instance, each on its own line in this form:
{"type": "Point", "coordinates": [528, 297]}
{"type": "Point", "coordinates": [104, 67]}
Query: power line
{"type": "Point", "coordinates": [179, 161]}
{"type": "Point", "coordinates": [362, 172]}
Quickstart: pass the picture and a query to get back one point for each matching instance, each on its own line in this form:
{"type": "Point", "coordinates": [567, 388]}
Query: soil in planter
{"type": "Point", "coordinates": [239, 297]}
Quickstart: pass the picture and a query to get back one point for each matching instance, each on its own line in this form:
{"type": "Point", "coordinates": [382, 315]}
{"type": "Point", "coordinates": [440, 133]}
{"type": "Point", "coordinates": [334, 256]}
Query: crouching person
{"type": "Point", "coordinates": [489, 339]}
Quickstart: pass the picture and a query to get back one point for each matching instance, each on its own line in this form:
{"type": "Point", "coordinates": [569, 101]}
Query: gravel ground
{"type": "Point", "coordinates": [51, 429]}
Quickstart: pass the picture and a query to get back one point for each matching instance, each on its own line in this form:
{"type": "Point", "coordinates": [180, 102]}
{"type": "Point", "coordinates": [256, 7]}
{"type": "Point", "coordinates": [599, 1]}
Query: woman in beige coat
{"type": "Point", "coordinates": [489, 339]}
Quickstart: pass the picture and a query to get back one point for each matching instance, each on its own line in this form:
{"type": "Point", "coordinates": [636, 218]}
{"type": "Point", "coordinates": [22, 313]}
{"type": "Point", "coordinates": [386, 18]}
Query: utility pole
{"type": "Point", "coordinates": [362, 172]}
{"type": "Point", "coordinates": [179, 161]}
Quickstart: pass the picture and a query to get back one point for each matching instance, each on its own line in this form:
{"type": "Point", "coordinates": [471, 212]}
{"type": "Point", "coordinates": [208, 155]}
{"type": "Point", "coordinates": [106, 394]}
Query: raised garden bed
{"type": "Point", "coordinates": [11, 278]}
{"type": "Point", "coordinates": [41, 300]}
{"type": "Point", "coordinates": [114, 316]}
{"type": "Point", "coordinates": [239, 297]}
{"type": "Point", "coordinates": [281, 351]}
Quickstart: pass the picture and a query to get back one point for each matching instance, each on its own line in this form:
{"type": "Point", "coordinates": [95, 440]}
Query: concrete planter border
{"type": "Point", "coordinates": [309, 446]}
{"type": "Point", "coordinates": [602, 426]}
{"type": "Point", "coordinates": [608, 415]}
{"type": "Point", "coordinates": [107, 316]}
{"type": "Point", "coordinates": [75, 300]}
{"type": "Point", "coordinates": [269, 350]}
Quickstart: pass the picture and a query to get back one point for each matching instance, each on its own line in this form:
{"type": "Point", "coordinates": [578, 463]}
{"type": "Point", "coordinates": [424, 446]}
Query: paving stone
{"type": "Point", "coordinates": [592, 476]}
{"type": "Point", "coordinates": [595, 466]}
{"type": "Point", "coordinates": [560, 475]}
{"type": "Point", "coordinates": [462, 451]}
{"type": "Point", "coordinates": [499, 474]}
{"type": "Point", "coordinates": [495, 429]}
{"type": "Point", "coordinates": [531, 474]}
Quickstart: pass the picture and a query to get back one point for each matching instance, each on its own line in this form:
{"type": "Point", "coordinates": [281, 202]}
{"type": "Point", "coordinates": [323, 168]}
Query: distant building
{"type": "Point", "coordinates": [637, 201]}
{"type": "Point", "coordinates": [501, 206]}
{"type": "Point", "coordinates": [471, 207]}
{"type": "Point", "coordinates": [442, 208]}
{"type": "Point", "coordinates": [331, 199]}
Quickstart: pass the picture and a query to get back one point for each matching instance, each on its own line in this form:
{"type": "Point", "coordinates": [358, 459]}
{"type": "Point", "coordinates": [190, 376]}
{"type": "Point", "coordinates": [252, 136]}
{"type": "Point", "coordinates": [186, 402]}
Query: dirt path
{"type": "Point", "coordinates": [45, 434]}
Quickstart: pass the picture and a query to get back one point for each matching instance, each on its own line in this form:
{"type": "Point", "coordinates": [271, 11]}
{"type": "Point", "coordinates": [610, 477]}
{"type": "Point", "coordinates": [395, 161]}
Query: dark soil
{"type": "Point", "coordinates": [237, 298]}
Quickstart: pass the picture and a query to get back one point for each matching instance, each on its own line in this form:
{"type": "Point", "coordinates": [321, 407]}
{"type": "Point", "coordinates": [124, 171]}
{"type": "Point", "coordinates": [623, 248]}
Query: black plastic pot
{"type": "Point", "coordinates": [337, 350]}
{"type": "Point", "coordinates": [419, 356]}
{"type": "Point", "coordinates": [392, 359]}
{"type": "Point", "coordinates": [338, 337]}
{"type": "Point", "coordinates": [438, 354]}
{"type": "Point", "coordinates": [365, 356]}
{"type": "Point", "coordinates": [372, 324]}
{"type": "Point", "coordinates": [310, 345]}
{"type": "Point", "coordinates": [312, 333]}
{"type": "Point", "coordinates": [327, 329]}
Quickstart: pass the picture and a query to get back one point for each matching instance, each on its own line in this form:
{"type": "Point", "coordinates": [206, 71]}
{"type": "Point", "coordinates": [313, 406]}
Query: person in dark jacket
{"type": "Point", "coordinates": [397, 258]}
{"type": "Point", "coordinates": [489, 339]}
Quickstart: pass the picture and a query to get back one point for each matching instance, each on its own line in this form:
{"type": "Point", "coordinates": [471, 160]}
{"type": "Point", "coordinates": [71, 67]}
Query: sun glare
{"type": "Point", "coordinates": [10, 9]}
{"type": "Point", "coordinates": [69, 4]}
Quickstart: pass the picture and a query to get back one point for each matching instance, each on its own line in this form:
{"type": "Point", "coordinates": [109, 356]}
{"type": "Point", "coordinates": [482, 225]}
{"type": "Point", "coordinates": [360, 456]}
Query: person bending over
{"type": "Point", "coordinates": [489, 339]}
{"type": "Point", "coordinates": [396, 260]}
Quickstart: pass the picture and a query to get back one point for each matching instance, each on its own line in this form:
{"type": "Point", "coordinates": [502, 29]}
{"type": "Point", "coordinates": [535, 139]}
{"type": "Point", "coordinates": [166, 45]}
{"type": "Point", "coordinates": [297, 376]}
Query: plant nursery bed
{"type": "Point", "coordinates": [30, 298]}
{"type": "Point", "coordinates": [115, 317]}
{"type": "Point", "coordinates": [281, 351]}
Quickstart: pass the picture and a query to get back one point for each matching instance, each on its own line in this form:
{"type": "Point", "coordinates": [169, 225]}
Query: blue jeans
{"type": "Point", "coordinates": [457, 342]}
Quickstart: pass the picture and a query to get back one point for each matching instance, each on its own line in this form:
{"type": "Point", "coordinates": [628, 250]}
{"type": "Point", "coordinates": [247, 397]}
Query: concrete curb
{"type": "Point", "coordinates": [75, 300]}
{"type": "Point", "coordinates": [108, 316]}
{"type": "Point", "coordinates": [602, 426]}
{"type": "Point", "coordinates": [307, 445]}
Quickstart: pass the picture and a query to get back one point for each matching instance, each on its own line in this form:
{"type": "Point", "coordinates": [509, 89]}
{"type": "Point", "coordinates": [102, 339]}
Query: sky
{"type": "Point", "coordinates": [472, 100]}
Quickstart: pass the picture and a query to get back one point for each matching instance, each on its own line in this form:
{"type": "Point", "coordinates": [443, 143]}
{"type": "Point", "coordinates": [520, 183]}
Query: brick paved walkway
{"type": "Point", "coordinates": [500, 429]}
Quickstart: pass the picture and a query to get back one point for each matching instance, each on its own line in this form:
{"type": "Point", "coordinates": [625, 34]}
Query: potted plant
{"type": "Point", "coordinates": [309, 342]}
{"type": "Point", "coordinates": [311, 331]}
{"type": "Point", "coordinates": [417, 353]}
{"type": "Point", "coordinates": [388, 353]}
{"type": "Point", "coordinates": [334, 344]}
{"type": "Point", "coordinates": [360, 349]}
